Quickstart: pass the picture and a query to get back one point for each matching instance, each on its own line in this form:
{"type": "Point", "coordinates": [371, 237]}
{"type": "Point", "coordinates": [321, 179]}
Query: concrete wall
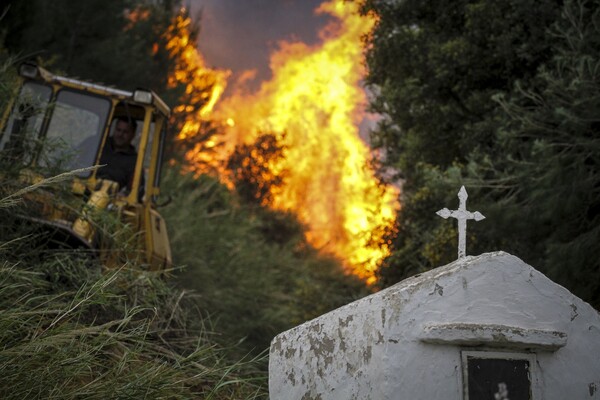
{"type": "Point", "coordinates": [405, 342]}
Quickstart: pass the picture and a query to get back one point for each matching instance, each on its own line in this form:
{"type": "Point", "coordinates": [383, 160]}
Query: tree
{"type": "Point", "coordinates": [116, 42]}
{"type": "Point", "coordinates": [507, 107]}
{"type": "Point", "coordinates": [551, 134]}
{"type": "Point", "coordinates": [435, 67]}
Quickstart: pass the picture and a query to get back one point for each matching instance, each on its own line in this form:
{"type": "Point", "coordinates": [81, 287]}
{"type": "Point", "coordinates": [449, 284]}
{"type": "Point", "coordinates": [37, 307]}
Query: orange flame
{"type": "Point", "coordinates": [202, 86]}
{"type": "Point", "coordinates": [314, 104]}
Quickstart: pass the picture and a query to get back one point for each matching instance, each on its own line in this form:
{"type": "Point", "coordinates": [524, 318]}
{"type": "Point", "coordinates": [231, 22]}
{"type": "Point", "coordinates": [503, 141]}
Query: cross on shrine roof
{"type": "Point", "coordinates": [462, 215]}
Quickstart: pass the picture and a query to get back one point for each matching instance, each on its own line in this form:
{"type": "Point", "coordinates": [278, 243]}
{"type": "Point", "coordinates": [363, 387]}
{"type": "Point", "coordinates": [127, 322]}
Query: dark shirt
{"type": "Point", "coordinates": [120, 164]}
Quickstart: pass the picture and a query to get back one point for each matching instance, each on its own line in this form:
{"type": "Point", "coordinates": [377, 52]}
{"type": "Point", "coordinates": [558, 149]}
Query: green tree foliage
{"type": "Point", "coordinates": [116, 42]}
{"type": "Point", "coordinates": [501, 96]}
{"type": "Point", "coordinates": [435, 67]}
{"type": "Point", "coordinates": [551, 175]}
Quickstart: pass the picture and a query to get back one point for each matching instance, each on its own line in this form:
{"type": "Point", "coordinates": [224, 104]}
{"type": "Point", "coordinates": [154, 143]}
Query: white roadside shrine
{"type": "Point", "coordinates": [481, 328]}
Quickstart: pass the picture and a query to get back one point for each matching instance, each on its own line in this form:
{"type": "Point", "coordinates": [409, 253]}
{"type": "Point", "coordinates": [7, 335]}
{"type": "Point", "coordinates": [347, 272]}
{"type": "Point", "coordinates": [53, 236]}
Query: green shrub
{"type": "Point", "coordinates": [252, 268]}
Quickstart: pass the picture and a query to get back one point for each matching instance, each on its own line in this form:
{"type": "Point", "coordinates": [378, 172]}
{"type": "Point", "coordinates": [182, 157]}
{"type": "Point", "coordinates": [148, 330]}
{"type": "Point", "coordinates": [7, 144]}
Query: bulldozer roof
{"type": "Point", "coordinates": [141, 96]}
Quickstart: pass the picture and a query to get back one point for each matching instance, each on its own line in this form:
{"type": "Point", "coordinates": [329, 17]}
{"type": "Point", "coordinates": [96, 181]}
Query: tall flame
{"type": "Point", "coordinates": [314, 104]}
{"type": "Point", "coordinates": [202, 86]}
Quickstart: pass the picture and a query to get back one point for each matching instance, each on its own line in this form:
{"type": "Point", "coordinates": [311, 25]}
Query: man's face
{"type": "Point", "coordinates": [123, 135]}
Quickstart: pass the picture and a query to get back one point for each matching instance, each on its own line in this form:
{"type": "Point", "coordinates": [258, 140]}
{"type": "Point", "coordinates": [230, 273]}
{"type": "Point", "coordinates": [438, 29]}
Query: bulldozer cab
{"type": "Point", "coordinates": [60, 124]}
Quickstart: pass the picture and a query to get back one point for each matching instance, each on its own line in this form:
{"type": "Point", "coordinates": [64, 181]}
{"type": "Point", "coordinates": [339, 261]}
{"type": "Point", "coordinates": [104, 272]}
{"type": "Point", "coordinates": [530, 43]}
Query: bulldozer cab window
{"type": "Point", "coordinates": [159, 162]}
{"type": "Point", "coordinates": [148, 155]}
{"type": "Point", "coordinates": [75, 130]}
{"type": "Point", "coordinates": [23, 126]}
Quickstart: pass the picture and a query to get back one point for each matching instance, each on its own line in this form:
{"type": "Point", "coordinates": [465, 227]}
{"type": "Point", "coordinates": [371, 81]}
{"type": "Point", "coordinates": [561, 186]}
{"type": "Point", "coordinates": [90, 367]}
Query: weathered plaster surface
{"type": "Point", "coordinates": [404, 342]}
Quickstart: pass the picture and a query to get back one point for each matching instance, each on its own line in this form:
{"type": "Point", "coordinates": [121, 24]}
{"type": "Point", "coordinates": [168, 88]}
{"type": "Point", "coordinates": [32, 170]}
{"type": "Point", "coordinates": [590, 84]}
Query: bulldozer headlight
{"type": "Point", "coordinates": [28, 70]}
{"type": "Point", "coordinates": [142, 96]}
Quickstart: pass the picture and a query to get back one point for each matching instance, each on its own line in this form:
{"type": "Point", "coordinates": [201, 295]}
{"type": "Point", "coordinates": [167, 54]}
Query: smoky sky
{"type": "Point", "coordinates": [240, 34]}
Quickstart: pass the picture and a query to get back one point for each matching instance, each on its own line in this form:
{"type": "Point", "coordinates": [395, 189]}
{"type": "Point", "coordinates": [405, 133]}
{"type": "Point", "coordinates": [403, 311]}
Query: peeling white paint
{"type": "Point", "coordinates": [405, 342]}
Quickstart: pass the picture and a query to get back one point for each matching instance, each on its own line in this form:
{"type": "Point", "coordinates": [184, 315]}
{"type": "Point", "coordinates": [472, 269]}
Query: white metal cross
{"type": "Point", "coordinates": [462, 215]}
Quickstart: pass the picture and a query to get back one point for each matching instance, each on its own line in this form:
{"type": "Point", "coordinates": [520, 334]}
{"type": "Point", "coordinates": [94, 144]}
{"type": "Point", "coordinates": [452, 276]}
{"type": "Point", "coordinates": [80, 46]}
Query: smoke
{"type": "Point", "coordinates": [239, 35]}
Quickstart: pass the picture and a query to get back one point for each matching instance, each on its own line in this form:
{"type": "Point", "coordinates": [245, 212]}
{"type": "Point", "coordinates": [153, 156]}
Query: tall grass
{"type": "Point", "coordinates": [91, 343]}
{"type": "Point", "coordinates": [69, 332]}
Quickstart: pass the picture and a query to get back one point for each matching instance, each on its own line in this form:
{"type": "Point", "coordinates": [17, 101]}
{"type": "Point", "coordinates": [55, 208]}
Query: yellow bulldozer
{"type": "Point", "coordinates": [60, 124]}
